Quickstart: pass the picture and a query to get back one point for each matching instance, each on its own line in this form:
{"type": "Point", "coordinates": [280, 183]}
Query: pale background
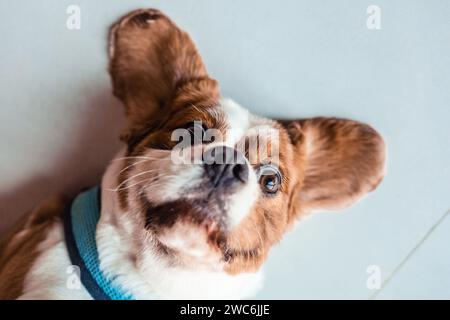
{"type": "Point", "coordinates": [59, 121]}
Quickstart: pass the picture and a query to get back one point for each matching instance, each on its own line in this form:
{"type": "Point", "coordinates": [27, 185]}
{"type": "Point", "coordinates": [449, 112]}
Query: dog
{"type": "Point", "coordinates": [192, 229]}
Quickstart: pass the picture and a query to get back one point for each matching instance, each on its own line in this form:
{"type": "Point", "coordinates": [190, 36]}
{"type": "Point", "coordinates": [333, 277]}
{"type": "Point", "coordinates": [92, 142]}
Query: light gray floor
{"type": "Point", "coordinates": [59, 122]}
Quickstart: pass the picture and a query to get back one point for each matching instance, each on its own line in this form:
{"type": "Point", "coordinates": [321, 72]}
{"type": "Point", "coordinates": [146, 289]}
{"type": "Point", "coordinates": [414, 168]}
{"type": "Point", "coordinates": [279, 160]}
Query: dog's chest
{"type": "Point", "coordinates": [53, 277]}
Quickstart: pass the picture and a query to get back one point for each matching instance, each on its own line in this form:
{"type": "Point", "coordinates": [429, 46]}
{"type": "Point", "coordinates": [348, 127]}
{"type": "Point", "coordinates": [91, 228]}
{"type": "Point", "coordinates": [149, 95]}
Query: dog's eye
{"type": "Point", "coordinates": [197, 131]}
{"type": "Point", "coordinates": [269, 179]}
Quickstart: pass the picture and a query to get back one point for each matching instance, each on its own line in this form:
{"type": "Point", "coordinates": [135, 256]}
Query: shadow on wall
{"type": "Point", "coordinates": [77, 165]}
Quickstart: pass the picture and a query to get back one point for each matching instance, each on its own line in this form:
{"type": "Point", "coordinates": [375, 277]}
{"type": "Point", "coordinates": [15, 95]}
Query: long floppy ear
{"type": "Point", "coordinates": [154, 64]}
{"type": "Point", "coordinates": [342, 161]}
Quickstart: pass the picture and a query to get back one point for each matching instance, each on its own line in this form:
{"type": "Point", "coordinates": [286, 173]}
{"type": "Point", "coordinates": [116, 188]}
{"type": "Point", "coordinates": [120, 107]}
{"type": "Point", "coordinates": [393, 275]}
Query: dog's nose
{"type": "Point", "coordinates": [225, 166]}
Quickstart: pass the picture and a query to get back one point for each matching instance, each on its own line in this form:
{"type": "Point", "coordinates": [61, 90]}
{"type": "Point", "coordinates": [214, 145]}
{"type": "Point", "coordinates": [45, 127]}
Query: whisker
{"type": "Point", "coordinates": [127, 158]}
{"type": "Point", "coordinates": [261, 242]}
{"type": "Point", "coordinates": [136, 175]}
{"type": "Point", "coordinates": [129, 186]}
{"type": "Point", "coordinates": [133, 164]}
{"type": "Point", "coordinates": [153, 178]}
{"type": "Point", "coordinates": [139, 157]}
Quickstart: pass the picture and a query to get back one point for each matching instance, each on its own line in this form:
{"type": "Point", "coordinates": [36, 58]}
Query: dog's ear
{"type": "Point", "coordinates": [341, 160]}
{"type": "Point", "coordinates": [154, 65]}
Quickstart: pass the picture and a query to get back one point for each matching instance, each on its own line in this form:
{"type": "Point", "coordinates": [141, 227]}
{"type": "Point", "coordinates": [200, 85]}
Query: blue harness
{"type": "Point", "coordinates": [80, 224]}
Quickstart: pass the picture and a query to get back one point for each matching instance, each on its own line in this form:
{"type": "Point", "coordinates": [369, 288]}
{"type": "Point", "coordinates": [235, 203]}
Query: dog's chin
{"type": "Point", "coordinates": [192, 244]}
{"type": "Point", "coordinates": [191, 231]}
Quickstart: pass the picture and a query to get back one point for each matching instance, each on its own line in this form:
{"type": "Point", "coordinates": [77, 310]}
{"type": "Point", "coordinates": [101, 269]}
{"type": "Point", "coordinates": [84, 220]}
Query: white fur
{"type": "Point", "coordinates": [238, 120]}
{"type": "Point", "coordinates": [48, 277]}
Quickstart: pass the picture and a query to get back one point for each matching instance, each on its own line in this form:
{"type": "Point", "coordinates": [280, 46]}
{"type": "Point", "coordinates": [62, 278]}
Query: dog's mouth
{"type": "Point", "coordinates": [190, 227]}
{"type": "Point", "coordinates": [192, 233]}
{"type": "Point", "coordinates": [201, 212]}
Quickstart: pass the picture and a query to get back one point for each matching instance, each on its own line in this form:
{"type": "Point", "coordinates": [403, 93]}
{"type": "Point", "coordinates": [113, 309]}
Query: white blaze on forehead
{"type": "Point", "coordinates": [241, 123]}
{"type": "Point", "coordinates": [238, 121]}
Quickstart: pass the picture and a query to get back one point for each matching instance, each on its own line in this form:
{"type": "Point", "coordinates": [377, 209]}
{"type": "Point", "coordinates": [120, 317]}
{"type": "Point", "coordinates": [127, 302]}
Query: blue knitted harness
{"type": "Point", "coordinates": [80, 224]}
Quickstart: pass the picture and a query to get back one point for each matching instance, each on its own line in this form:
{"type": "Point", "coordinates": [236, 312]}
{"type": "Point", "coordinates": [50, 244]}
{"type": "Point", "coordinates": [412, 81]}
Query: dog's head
{"type": "Point", "coordinates": [204, 181]}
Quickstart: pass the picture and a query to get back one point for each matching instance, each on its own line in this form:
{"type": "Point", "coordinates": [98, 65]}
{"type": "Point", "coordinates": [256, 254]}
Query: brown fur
{"type": "Point", "coordinates": [18, 249]}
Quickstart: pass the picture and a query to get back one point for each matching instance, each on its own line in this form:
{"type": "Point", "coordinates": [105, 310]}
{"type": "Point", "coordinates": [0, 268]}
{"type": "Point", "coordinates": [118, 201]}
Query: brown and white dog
{"type": "Point", "coordinates": [191, 230]}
